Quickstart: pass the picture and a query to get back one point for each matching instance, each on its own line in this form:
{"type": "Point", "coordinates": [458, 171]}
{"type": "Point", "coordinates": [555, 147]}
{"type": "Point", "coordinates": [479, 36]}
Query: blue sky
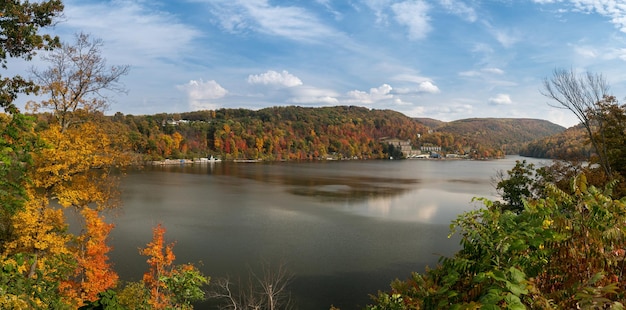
{"type": "Point", "coordinates": [444, 59]}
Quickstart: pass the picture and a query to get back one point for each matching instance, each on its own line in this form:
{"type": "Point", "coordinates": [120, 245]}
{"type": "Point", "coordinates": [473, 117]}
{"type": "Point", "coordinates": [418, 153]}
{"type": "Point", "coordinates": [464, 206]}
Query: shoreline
{"type": "Point", "coordinates": [204, 161]}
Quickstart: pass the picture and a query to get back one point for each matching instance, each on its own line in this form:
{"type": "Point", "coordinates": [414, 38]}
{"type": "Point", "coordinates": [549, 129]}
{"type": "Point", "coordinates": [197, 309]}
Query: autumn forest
{"type": "Point", "coordinates": [555, 239]}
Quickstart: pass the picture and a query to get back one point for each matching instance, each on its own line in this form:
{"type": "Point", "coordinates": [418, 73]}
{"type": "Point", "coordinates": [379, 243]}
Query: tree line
{"type": "Point", "coordinates": [306, 133]}
{"type": "Point", "coordinates": [277, 133]}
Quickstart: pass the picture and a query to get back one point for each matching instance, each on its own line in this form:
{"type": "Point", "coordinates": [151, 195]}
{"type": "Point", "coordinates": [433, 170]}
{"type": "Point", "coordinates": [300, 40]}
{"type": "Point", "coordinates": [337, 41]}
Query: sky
{"type": "Point", "coordinates": [442, 59]}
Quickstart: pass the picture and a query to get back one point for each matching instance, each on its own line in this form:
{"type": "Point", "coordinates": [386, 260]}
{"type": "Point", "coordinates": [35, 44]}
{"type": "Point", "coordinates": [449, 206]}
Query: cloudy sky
{"type": "Point", "coordinates": [444, 59]}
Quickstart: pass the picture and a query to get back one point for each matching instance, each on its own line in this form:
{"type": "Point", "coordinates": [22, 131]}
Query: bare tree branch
{"type": "Point", "coordinates": [582, 96]}
{"type": "Point", "coordinates": [77, 80]}
{"type": "Point", "coordinates": [266, 291]}
{"type": "Point", "coordinates": [224, 291]}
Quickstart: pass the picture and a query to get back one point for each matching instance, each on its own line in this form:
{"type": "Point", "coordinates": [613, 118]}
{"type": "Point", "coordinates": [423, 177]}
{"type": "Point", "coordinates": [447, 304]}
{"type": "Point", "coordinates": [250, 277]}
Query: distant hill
{"type": "Point", "coordinates": [429, 122]}
{"type": "Point", "coordinates": [509, 134]}
{"type": "Point", "coordinates": [571, 144]}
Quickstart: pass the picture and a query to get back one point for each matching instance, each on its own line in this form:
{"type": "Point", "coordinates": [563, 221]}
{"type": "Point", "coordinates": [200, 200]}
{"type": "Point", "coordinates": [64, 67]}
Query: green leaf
{"type": "Point", "coordinates": [516, 289]}
{"type": "Point", "coordinates": [492, 297]}
{"type": "Point", "coordinates": [596, 277]}
{"type": "Point", "coordinates": [498, 275]}
{"type": "Point", "coordinates": [480, 277]}
{"type": "Point", "coordinates": [517, 275]}
{"type": "Point", "coordinates": [513, 302]}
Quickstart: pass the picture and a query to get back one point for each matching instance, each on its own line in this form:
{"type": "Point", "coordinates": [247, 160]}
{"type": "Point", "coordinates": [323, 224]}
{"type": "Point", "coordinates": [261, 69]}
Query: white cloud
{"type": "Point", "coordinates": [292, 22]}
{"type": "Point", "coordinates": [200, 93]}
{"type": "Point", "coordinates": [500, 99]}
{"type": "Point", "coordinates": [617, 53]}
{"type": "Point", "coordinates": [378, 7]}
{"type": "Point", "coordinates": [413, 15]}
{"type": "Point", "coordinates": [136, 32]}
{"type": "Point", "coordinates": [613, 9]}
{"type": "Point", "coordinates": [449, 112]}
{"type": "Point", "coordinates": [417, 111]}
{"type": "Point", "coordinates": [460, 9]}
{"type": "Point", "coordinates": [482, 72]}
{"type": "Point", "coordinates": [328, 6]}
{"type": "Point", "coordinates": [280, 79]}
{"type": "Point", "coordinates": [423, 84]}
{"type": "Point", "coordinates": [493, 71]}
{"type": "Point", "coordinates": [482, 48]}
{"type": "Point", "coordinates": [312, 95]}
{"type": "Point", "coordinates": [400, 102]}
{"type": "Point", "coordinates": [471, 73]}
{"type": "Point", "coordinates": [313, 100]}
{"type": "Point", "coordinates": [428, 87]}
{"type": "Point", "coordinates": [411, 78]}
{"type": "Point", "coordinates": [374, 95]}
{"type": "Point", "coordinates": [506, 38]}
{"type": "Point", "coordinates": [587, 52]}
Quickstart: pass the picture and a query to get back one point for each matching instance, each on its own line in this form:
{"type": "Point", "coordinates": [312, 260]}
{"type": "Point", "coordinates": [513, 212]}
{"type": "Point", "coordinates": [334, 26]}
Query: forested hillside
{"type": "Point", "coordinates": [571, 144]}
{"type": "Point", "coordinates": [296, 133]}
{"type": "Point", "coordinates": [430, 122]}
{"type": "Point", "coordinates": [277, 133]}
{"type": "Point", "coordinates": [506, 134]}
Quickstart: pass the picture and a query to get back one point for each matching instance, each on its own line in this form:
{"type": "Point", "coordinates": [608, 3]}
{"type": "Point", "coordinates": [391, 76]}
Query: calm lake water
{"type": "Point", "coordinates": [346, 229]}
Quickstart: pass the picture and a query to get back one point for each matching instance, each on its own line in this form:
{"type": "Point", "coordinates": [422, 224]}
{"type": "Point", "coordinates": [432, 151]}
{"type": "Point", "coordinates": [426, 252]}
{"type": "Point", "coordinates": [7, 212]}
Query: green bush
{"type": "Point", "coordinates": [564, 251]}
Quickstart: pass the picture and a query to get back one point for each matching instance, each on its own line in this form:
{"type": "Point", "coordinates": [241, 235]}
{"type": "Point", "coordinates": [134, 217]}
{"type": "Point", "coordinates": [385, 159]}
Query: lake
{"type": "Point", "coordinates": [346, 229]}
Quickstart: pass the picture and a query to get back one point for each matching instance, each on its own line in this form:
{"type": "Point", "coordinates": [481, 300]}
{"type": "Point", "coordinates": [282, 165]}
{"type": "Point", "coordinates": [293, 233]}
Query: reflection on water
{"type": "Point", "coordinates": [420, 205]}
{"type": "Point", "coordinates": [346, 228]}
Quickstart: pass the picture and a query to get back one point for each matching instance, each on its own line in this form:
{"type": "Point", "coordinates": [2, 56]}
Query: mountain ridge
{"type": "Point", "coordinates": [509, 134]}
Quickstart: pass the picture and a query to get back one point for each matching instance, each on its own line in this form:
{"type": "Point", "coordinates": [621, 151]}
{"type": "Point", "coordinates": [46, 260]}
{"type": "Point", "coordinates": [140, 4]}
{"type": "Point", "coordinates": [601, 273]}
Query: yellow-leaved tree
{"type": "Point", "coordinates": [73, 167]}
{"type": "Point", "coordinates": [23, 283]}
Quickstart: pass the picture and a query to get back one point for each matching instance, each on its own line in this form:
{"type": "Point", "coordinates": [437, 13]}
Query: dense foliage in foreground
{"type": "Point", "coordinates": [564, 251]}
{"type": "Point", "coordinates": [556, 240]}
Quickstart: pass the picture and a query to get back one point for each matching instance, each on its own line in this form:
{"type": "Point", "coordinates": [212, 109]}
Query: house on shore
{"type": "Point", "coordinates": [404, 145]}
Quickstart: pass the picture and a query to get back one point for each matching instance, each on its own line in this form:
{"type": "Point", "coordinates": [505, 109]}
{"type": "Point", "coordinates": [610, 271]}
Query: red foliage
{"type": "Point", "coordinates": [93, 273]}
{"type": "Point", "coordinates": [160, 260]}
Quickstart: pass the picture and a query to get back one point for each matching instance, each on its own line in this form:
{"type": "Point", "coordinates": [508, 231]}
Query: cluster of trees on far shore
{"type": "Point", "coordinates": [278, 133]}
{"type": "Point", "coordinates": [300, 133]}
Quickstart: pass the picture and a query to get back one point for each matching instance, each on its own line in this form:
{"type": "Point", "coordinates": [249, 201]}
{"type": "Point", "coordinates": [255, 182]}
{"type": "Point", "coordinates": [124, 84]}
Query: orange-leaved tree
{"type": "Point", "coordinates": [161, 258]}
{"type": "Point", "coordinates": [170, 286]}
{"type": "Point", "coordinates": [94, 273]}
